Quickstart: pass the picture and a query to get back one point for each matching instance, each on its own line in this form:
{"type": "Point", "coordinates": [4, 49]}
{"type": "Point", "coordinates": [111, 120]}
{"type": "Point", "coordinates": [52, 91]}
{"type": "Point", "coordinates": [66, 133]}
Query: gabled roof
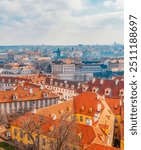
{"type": "Point", "coordinates": [86, 101]}
{"type": "Point", "coordinates": [102, 84]}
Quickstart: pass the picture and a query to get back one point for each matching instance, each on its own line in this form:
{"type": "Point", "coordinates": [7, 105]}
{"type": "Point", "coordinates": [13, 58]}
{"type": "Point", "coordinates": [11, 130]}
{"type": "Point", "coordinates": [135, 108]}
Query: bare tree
{"type": "Point", "coordinates": [32, 127]}
{"type": "Point", "coordinates": [64, 131]}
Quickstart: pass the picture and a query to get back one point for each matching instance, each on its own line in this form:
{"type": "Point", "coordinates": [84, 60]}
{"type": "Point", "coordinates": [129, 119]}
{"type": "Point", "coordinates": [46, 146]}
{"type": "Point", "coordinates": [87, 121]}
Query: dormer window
{"type": "Point", "coordinates": [82, 108]}
{"type": "Point", "coordinates": [69, 109]}
{"type": "Point", "coordinates": [121, 92]}
{"type": "Point", "coordinates": [115, 106]}
{"type": "Point", "coordinates": [15, 97]}
{"type": "Point", "coordinates": [96, 116]}
{"type": "Point", "coordinates": [108, 91]}
{"type": "Point", "coordinates": [9, 80]}
{"type": "Point", "coordinates": [79, 135]}
{"type": "Point", "coordinates": [94, 90]}
{"type": "Point", "coordinates": [53, 117]}
{"type": "Point", "coordinates": [88, 121]}
{"type": "Point", "coordinates": [91, 109]}
{"type": "Point", "coordinates": [56, 83]}
{"type": "Point", "coordinates": [85, 88]}
{"type": "Point", "coordinates": [67, 85]}
{"type": "Point", "coordinates": [72, 86]}
{"type": "Point", "coordinates": [61, 111]}
{"type": "Point", "coordinates": [51, 128]}
{"type": "Point", "coordinates": [45, 95]}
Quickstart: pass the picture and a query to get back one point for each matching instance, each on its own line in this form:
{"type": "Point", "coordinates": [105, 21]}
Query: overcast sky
{"type": "Point", "coordinates": [61, 22]}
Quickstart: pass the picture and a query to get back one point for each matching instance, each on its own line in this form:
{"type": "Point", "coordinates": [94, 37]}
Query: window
{"type": "Point", "coordinates": [50, 102]}
{"type": "Point", "coordinates": [31, 104]}
{"type": "Point", "coordinates": [10, 106]}
{"type": "Point", "coordinates": [28, 137]}
{"type": "Point", "coordinates": [41, 103]}
{"type": "Point", "coordinates": [20, 104]}
{"type": "Point", "coordinates": [25, 104]}
{"type": "Point", "coordinates": [15, 105]}
{"type": "Point", "coordinates": [5, 106]}
{"type": "Point", "coordinates": [15, 132]}
{"type": "Point", "coordinates": [46, 102]}
{"type": "Point", "coordinates": [21, 134]}
{"type": "Point", "coordinates": [51, 143]}
{"type": "Point", "coordinates": [36, 104]}
{"type": "Point", "coordinates": [81, 118]}
{"type": "Point", "coordinates": [43, 142]}
{"type": "Point", "coordinates": [36, 139]}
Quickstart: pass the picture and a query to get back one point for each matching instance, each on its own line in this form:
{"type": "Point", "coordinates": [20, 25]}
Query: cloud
{"type": "Point", "coordinates": [60, 21]}
{"type": "Point", "coordinates": [117, 4]}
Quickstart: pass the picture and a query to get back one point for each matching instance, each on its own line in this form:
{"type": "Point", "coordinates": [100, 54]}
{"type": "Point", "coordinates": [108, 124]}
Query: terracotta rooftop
{"type": "Point", "coordinates": [25, 92]}
{"type": "Point", "coordinates": [58, 109]}
{"type": "Point", "coordinates": [114, 104]}
{"type": "Point", "coordinates": [86, 103]}
{"type": "Point", "coordinates": [73, 85]}
{"type": "Point", "coordinates": [85, 133]}
{"type": "Point", "coordinates": [101, 147]}
{"type": "Point", "coordinates": [102, 84]}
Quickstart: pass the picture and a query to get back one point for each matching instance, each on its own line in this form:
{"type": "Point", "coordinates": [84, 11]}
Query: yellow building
{"type": "Point", "coordinates": [88, 118]}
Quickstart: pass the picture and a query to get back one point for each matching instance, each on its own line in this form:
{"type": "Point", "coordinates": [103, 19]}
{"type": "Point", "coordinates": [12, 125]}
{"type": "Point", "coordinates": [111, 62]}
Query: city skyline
{"type": "Point", "coordinates": [61, 22]}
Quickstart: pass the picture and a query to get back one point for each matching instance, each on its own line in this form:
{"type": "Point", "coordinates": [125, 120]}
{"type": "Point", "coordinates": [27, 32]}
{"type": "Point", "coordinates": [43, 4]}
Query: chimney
{"type": "Point", "coordinates": [93, 80]}
{"type": "Point", "coordinates": [101, 81]}
{"type": "Point", "coordinates": [116, 81]}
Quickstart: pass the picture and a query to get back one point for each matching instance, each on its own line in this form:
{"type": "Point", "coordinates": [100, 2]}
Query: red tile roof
{"type": "Point", "coordinates": [101, 147]}
{"type": "Point", "coordinates": [103, 84]}
{"type": "Point", "coordinates": [114, 104]}
{"type": "Point", "coordinates": [23, 93]}
{"type": "Point", "coordinates": [87, 132]}
{"type": "Point", "coordinates": [86, 101]}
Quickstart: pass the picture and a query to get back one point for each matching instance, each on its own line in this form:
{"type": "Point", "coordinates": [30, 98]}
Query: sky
{"type": "Point", "coordinates": [61, 22]}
